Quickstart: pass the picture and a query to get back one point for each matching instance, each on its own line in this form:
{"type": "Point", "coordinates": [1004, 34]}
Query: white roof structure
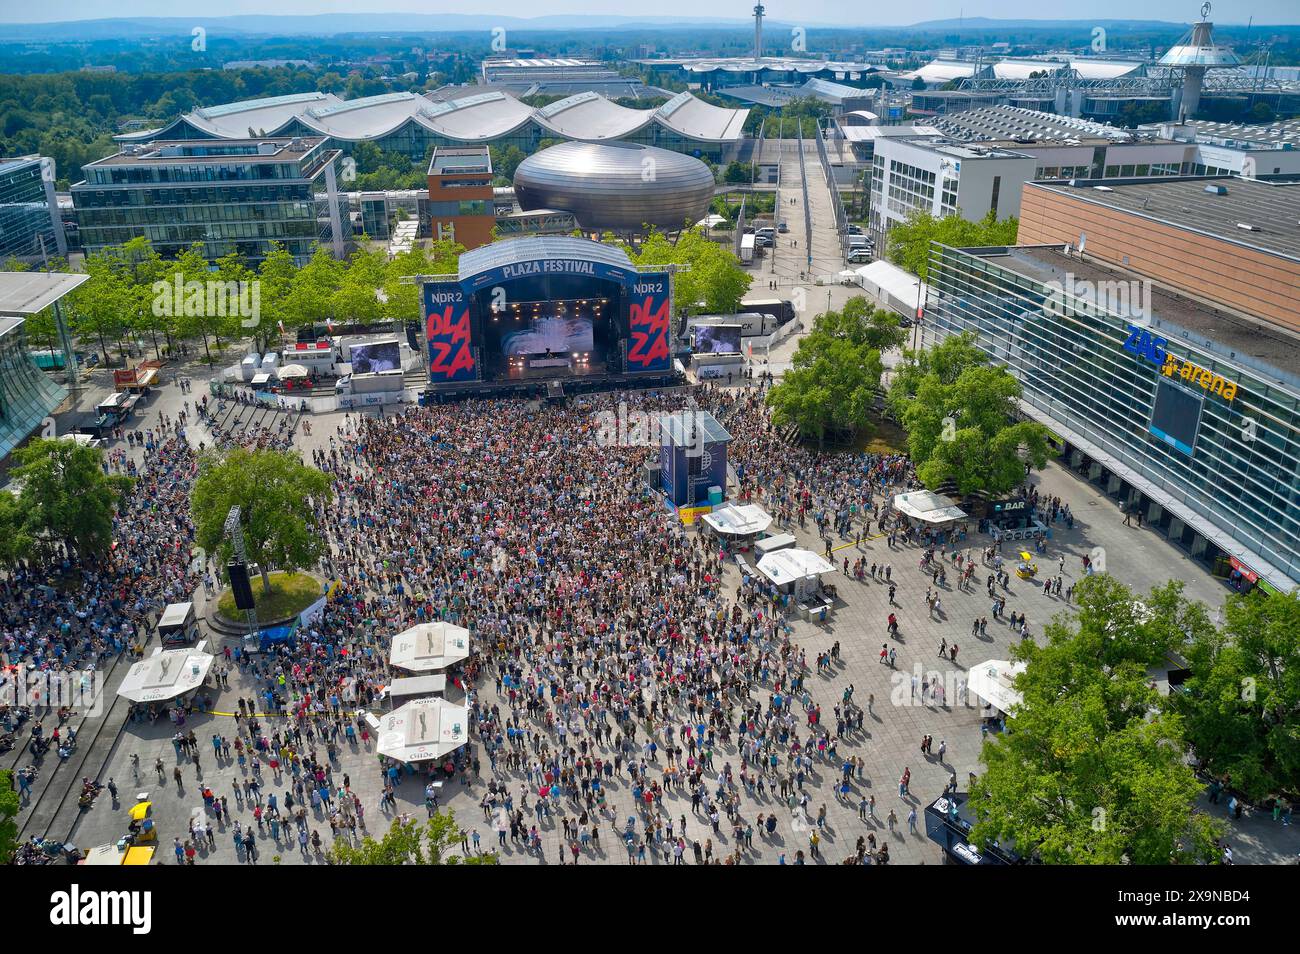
{"type": "Point", "coordinates": [467, 117]}
{"type": "Point", "coordinates": [928, 507]}
{"type": "Point", "coordinates": [886, 280]}
{"type": "Point", "coordinates": [992, 681]}
{"type": "Point", "coordinates": [293, 371]}
{"type": "Point", "coordinates": [175, 614]}
{"type": "Point", "coordinates": [787, 566]}
{"type": "Point", "coordinates": [25, 293]}
{"type": "Point", "coordinates": [423, 729]}
{"type": "Point", "coordinates": [167, 674]}
{"type": "Point", "coordinates": [429, 647]}
{"type": "Point", "coordinates": [943, 71]}
{"type": "Point", "coordinates": [738, 519]}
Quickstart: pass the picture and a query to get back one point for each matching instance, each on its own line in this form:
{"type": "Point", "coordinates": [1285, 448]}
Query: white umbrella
{"type": "Point", "coordinates": [786, 566]}
{"type": "Point", "coordinates": [423, 729]}
{"type": "Point", "coordinates": [738, 519]}
{"type": "Point", "coordinates": [429, 647]}
{"type": "Point", "coordinates": [992, 681]}
{"type": "Point", "coordinates": [294, 371]}
{"type": "Point", "coordinates": [166, 675]}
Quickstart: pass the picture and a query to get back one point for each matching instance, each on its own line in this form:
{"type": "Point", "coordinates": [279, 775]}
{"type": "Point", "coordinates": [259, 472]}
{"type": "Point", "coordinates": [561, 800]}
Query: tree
{"type": "Point", "coordinates": [837, 369]}
{"type": "Point", "coordinates": [66, 497]}
{"type": "Point", "coordinates": [410, 843]}
{"type": "Point", "coordinates": [714, 283]}
{"type": "Point", "coordinates": [1090, 771]}
{"type": "Point", "coordinates": [402, 298]}
{"type": "Point", "coordinates": [311, 300]}
{"type": "Point", "coordinates": [99, 307]}
{"type": "Point", "coordinates": [910, 240]}
{"type": "Point", "coordinates": [276, 493]}
{"type": "Point", "coordinates": [962, 429]}
{"type": "Point", "coordinates": [9, 808]}
{"type": "Point", "coordinates": [1241, 703]}
{"type": "Point", "coordinates": [15, 541]}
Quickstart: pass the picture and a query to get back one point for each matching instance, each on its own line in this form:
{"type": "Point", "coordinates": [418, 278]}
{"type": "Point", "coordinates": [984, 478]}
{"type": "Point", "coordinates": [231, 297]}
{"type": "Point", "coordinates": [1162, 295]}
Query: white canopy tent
{"type": "Point", "coordinates": [429, 647]}
{"type": "Point", "coordinates": [928, 507]}
{"type": "Point", "coordinates": [167, 674]}
{"type": "Point", "coordinates": [423, 729]}
{"type": "Point", "coordinates": [799, 570]}
{"type": "Point", "coordinates": [992, 681]}
{"type": "Point", "coordinates": [738, 520]}
{"type": "Point", "coordinates": [293, 371]}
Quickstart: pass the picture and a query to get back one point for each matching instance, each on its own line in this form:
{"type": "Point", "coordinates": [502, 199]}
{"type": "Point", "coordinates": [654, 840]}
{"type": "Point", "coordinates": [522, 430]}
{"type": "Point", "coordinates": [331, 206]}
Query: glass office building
{"type": "Point", "coordinates": [28, 211]}
{"type": "Point", "coordinates": [1188, 412]}
{"type": "Point", "coordinates": [231, 196]}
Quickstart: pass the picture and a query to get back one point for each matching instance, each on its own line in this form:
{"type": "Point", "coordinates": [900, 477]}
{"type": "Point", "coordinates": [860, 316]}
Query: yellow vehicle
{"type": "Point", "coordinates": [142, 826]}
{"type": "Point", "coordinates": [1026, 569]}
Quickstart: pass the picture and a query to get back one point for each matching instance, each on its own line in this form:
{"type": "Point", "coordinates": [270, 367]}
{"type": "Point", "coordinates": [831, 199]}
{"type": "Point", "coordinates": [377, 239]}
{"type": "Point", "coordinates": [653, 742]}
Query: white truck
{"type": "Point", "coordinates": [747, 249]}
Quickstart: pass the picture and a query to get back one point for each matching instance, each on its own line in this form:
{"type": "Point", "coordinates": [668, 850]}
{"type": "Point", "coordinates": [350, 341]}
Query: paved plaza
{"type": "Point", "coordinates": [888, 743]}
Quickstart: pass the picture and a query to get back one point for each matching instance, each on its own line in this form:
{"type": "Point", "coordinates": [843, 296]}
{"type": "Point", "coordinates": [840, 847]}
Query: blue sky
{"type": "Point", "coordinates": [811, 11]}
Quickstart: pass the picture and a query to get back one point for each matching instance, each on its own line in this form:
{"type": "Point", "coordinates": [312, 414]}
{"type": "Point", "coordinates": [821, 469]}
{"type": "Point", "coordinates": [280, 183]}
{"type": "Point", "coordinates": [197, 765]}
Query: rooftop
{"type": "Point", "coordinates": [992, 123]}
{"type": "Point", "coordinates": [1253, 213]}
{"type": "Point", "coordinates": [460, 159]}
{"type": "Point", "coordinates": [1219, 330]}
{"type": "Point", "coordinates": [26, 293]}
{"type": "Point", "coordinates": [210, 151]}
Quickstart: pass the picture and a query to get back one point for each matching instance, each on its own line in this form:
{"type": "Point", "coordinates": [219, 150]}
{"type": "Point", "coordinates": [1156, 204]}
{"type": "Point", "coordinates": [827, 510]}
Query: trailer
{"type": "Point", "coordinates": [747, 249]}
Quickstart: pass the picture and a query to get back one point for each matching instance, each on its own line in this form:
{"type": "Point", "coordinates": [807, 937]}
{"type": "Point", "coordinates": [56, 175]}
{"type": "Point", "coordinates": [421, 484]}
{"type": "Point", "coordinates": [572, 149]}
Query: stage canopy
{"type": "Point", "coordinates": [423, 729]}
{"type": "Point", "coordinates": [166, 674]}
{"type": "Point", "coordinates": [788, 566]}
{"type": "Point", "coordinates": [928, 507]}
{"type": "Point", "coordinates": [429, 647]}
{"type": "Point", "coordinates": [992, 682]}
{"type": "Point", "coordinates": [738, 520]}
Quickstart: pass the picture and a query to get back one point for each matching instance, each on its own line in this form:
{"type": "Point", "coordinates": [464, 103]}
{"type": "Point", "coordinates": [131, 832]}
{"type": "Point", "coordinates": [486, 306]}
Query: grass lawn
{"type": "Point", "coordinates": [291, 593]}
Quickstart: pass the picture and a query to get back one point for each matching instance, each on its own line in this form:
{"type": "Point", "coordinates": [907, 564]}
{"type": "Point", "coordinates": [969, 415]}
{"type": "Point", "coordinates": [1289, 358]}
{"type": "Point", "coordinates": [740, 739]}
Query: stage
{"type": "Point", "coordinates": [528, 312]}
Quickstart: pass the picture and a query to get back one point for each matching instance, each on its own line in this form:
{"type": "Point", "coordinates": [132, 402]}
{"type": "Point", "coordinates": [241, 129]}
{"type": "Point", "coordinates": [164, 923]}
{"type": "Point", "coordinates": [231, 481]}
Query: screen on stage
{"type": "Point", "coordinates": [379, 356]}
{"type": "Point", "coordinates": [717, 339]}
{"type": "Point", "coordinates": [554, 335]}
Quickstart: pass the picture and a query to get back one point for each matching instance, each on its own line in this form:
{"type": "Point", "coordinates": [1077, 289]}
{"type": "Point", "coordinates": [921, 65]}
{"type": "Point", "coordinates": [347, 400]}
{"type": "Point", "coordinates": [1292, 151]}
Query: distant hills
{"type": "Point", "coordinates": [332, 24]}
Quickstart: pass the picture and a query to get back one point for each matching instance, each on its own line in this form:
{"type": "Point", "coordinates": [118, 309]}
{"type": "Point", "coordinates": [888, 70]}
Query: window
{"type": "Point", "coordinates": [993, 198]}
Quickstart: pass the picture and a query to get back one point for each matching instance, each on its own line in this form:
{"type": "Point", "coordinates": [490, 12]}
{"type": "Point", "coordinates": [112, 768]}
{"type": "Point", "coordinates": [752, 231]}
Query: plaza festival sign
{"type": "Point", "coordinates": [446, 309]}
{"type": "Point", "coordinates": [1150, 348]}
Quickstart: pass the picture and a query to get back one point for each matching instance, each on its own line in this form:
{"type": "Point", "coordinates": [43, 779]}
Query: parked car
{"type": "Point", "coordinates": [782, 227]}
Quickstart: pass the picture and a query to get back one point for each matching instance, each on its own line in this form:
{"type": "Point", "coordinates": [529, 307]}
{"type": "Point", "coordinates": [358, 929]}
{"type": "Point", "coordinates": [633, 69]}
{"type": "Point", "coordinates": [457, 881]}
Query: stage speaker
{"type": "Point", "coordinates": [239, 584]}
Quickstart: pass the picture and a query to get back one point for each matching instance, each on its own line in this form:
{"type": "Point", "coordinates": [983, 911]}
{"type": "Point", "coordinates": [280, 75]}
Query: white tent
{"type": "Point", "coordinates": [166, 674]}
{"type": "Point", "coordinates": [992, 681]}
{"type": "Point", "coordinates": [293, 371]}
{"type": "Point", "coordinates": [738, 520]}
{"type": "Point", "coordinates": [429, 647]}
{"type": "Point", "coordinates": [423, 729]}
{"type": "Point", "coordinates": [928, 507]}
{"type": "Point", "coordinates": [799, 569]}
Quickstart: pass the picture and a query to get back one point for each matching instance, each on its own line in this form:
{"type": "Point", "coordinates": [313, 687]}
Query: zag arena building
{"type": "Point", "coordinates": [549, 315]}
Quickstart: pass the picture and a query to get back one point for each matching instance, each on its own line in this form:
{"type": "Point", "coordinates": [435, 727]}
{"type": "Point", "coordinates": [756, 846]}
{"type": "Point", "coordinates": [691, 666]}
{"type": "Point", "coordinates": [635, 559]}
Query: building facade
{"type": "Point", "coordinates": [461, 207]}
{"type": "Point", "coordinates": [1179, 410]}
{"type": "Point", "coordinates": [232, 196]}
{"type": "Point", "coordinates": [31, 227]}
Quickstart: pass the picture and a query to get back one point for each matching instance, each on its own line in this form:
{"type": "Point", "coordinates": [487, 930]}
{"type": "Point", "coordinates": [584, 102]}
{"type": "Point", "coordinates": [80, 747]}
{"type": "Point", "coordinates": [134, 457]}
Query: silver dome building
{"type": "Point", "coordinates": [616, 186]}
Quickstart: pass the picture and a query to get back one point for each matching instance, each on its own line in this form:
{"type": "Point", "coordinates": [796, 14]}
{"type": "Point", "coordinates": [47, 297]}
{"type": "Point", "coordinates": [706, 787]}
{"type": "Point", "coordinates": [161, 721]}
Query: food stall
{"type": "Point", "coordinates": [738, 524]}
{"type": "Point", "coordinates": [798, 573]}
{"type": "Point", "coordinates": [178, 624]}
{"type": "Point", "coordinates": [1026, 569]}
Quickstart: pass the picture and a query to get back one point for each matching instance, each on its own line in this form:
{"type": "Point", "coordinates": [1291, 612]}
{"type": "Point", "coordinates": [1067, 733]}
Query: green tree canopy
{"type": "Point", "coordinates": [1241, 704]}
{"type": "Point", "coordinates": [837, 369]}
{"type": "Point", "coordinates": [276, 493]}
{"type": "Point", "coordinates": [961, 424]}
{"type": "Point", "coordinates": [1090, 771]}
{"type": "Point", "coordinates": [9, 808]}
{"type": "Point", "coordinates": [66, 497]}
{"type": "Point", "coordinates": [714, 284]}
{"type": "Point", "coordinates": [410, 843]}
{"type": "Point", "coordinates": [910, 240]}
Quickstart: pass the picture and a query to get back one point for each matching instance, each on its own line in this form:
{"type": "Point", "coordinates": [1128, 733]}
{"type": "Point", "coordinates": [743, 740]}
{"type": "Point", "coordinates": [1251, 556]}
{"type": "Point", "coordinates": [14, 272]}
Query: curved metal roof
{"type": "Point", "coordinates": [474, 117]}
{"type": "Point", "coordinates": [534, 247]}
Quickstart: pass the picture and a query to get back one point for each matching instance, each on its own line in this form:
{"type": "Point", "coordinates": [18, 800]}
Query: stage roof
{"type": "Point", "coordinates": [25, 293]}
{"type": "Point", "coordinates": [533, 248]}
